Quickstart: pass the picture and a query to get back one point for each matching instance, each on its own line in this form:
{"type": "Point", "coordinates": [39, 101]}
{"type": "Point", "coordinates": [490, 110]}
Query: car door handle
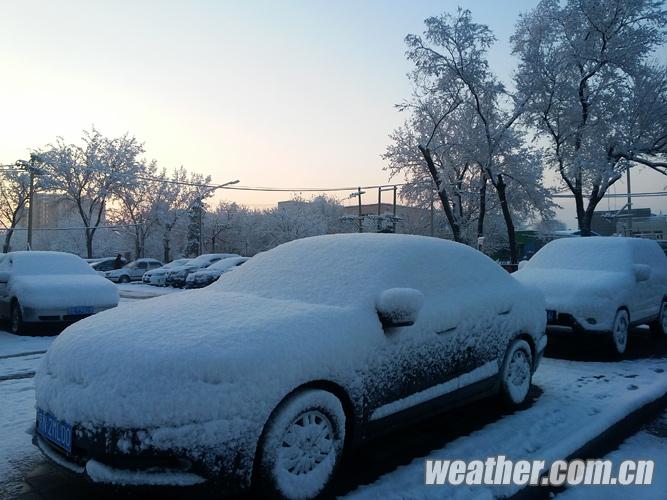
{"type": "Point", "coordinates": [505, 313]}
{"type": "Point", "coordinates": [448, 330]}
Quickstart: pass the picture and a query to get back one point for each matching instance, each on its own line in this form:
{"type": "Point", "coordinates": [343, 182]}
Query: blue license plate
{"type": "Point", "coordinates": [75, 311]}
{"type": "Point", "coordinates": [551, 316]}
{"type": "Point", "coordinates": [59, 433]}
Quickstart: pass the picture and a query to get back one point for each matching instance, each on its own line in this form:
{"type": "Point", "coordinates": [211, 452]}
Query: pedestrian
{"type": "Point", "coordinates": [118, 263]}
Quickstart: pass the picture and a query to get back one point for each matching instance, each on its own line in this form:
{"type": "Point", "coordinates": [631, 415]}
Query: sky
{"type": "Point", "coordinates": [289, 93]}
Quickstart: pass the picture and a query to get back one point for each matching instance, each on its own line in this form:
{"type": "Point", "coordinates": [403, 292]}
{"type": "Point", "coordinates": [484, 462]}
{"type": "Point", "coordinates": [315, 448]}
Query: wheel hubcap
{"type": "Point", "coordinates": [621, 331]}
{"type": "Point", "coordinates": [307, 442]}
{"type": "Point", "coordinates": [519, 369]}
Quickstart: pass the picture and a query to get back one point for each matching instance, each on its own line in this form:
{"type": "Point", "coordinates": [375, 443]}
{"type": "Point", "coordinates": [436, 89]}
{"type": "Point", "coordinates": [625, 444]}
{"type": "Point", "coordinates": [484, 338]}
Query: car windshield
{"type": "Point", "coordinates": [591, 253]}
{"type": "Point", "coordinates": [35, 263]}
{"type": "Point", "coordinates": [176, 263]}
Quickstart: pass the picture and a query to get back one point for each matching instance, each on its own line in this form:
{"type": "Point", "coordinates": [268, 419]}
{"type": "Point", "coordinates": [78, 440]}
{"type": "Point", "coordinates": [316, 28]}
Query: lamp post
{"type": "Point", "coordinates": [200, 201]}
{"type": "Point", "coordinates": [29, 166]}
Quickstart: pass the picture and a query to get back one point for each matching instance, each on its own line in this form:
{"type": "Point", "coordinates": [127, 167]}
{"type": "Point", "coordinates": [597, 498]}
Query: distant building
{"type": "Point", "coordinates": [638, 222]}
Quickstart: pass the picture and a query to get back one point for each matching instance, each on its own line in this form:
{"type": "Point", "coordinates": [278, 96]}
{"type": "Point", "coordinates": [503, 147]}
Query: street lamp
{"type": "Point", "coordinates": [200, 201]}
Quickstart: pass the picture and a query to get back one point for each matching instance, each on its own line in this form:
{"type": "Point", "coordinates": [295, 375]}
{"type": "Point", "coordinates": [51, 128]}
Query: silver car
{"type": "Point", "coordinates": [132, 271]}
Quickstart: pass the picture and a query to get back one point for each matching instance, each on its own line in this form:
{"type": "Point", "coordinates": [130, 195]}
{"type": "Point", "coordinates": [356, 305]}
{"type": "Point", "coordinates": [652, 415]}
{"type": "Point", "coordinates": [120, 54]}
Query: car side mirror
{"type": "Point", "coordinates": [522, 264]}
{"type": "Point", "coordinates": [642, 272]}
{"type": "Point", "coordinates": [397, 307]}
{"type": "Point", "coordinates": [4, 276]}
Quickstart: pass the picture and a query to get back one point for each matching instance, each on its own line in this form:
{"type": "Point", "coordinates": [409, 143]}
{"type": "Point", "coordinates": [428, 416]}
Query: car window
{"type": "Point", "coordinates": [142, 265]}
{"type": "Point", "coordinates": [649, 253]}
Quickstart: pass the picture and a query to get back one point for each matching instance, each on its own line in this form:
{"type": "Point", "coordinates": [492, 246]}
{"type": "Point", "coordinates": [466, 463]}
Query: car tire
{"type": "Point", "coordinates": [16, 324]}
{"type": "Point", "coordinates": [301, 446]}
{"type": "Point", "coordinates": [124, 279]}
{"type": "Point", "coordinates": [619, 332]}
{"type": "Point", "coordinates": [516, 374]}
{"type": "Point", "coordinates": [659, 326]}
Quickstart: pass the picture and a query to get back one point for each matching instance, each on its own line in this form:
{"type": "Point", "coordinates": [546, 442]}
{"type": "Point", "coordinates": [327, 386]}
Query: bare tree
{"type": "Point", "coordinates": [14, 192]}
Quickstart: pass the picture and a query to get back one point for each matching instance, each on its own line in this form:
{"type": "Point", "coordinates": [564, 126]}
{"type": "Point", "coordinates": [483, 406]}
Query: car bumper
{"type": "Point", "coordinates": [575, 323]}
{"type": "Point", "coordinates": [56, 315]}
{"type": "Point", "coordinates": [95, 455]}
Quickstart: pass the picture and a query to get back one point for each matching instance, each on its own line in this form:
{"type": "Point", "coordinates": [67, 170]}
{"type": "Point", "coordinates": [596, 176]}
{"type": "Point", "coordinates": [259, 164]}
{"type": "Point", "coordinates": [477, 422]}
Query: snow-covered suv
{"type": "Point", "coordinates": [266, 376]}
{"type": "Point", "coordinates": [601, 285]}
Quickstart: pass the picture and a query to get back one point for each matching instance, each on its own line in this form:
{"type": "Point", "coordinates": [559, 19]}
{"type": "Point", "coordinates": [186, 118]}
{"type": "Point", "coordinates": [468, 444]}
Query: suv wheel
{"type": "Point", "coordinates": [619, 332]}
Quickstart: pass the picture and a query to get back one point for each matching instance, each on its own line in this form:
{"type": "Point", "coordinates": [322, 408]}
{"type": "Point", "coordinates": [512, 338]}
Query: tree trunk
{"type": "Point", "coordinates": [507, 215]}
{"type": "Point", "coordinates": [442, 194]}
{"type": "Point", "coordinates": [482, 206]}
{"type": "Point", "coordinates": [89, 243]}
{"type": "Point", "coordinates": [8, 238]}
{"type": "Point", "coordinates": [166, 244]}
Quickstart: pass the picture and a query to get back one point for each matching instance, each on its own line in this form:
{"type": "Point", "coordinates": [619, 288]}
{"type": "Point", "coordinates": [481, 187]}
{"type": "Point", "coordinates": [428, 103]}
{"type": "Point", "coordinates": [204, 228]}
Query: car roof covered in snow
{"type": "Point", "coordinates": [226, 263]}
{"type": "Point", "coordinates": [350, 268]}
{"type": "Point", "coordinates": [595, 253]}
{"type": "Point", "coordinates": [38, 262]}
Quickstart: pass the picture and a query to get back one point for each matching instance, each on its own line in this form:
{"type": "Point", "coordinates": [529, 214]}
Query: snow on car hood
{"type": "Point", "coordinates": [579, 292]}
{"type": "Point", "coordinates": [64, 290]}
{"type": "Point", "coordinates": [171, 360]}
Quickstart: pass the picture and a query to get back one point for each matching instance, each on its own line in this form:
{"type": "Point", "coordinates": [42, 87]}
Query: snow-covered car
{"type": "Point", "coordinates": [132, 271]}
{"type": "Point", "coordinates": [601, 285]}
{"type": "Point", "coordinates": [177, 276]}
{"type": "Point", "coordinates": [50, 288]}
{"type": "Point", "coordinates": [206, 276]}
{"type": "Point", "coordinates": [157, 277]}
{"type": "Point", "coordinates": [106, 264]}
{"type": "Point", "coordinates": [265, 377]}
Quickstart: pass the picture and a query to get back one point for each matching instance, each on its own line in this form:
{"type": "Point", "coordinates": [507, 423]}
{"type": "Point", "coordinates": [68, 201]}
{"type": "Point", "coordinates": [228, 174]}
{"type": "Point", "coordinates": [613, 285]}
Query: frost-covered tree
{"type": "Point", "coordinates": [91, 174]}
{"type": "Point", "coordinates": [464, 127]}
{"type": "Point", "coordinates": [592, 92]}
{"type": "Point", "coordinates": [14, 192]}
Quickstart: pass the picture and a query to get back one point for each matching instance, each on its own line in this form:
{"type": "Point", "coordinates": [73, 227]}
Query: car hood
{"type": "Point", "coordinates": [578, 291]}
{"type": "Point", "coordinates": [64, 290]}
{"type": "Point", "coordinates": [171, 360]}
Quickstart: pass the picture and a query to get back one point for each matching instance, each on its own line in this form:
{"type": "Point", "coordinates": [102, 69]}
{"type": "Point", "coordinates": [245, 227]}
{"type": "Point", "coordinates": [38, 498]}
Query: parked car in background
{"type": "Point", "coordinates": [286, 363]}
{"type": "Point", "coordinates": [208, 275]}
{"type": "Point", "coordinates": [663, 245]}
{"type": "Point", "coordinates": [132, 271]}
{"type": "Point", "coordinates": [601, 285]}
{"type": "Point", "coordinates": [106, 264]}
{"type": "Point", "coordinates": [158, 276]}
{"type": "Point", "coordinates": [177, 276]}
{"type": "Point", "coordinates": [50, 288]}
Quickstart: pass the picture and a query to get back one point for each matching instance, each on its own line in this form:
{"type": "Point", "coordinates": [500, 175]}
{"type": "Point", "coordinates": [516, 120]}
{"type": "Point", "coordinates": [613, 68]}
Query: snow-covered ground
{"type": "Point", "coordinates": [579, 401]}
{"type": "Point", "coordinates": [649, 444]}
{"type": "Point", "coordinates": [142, 291]}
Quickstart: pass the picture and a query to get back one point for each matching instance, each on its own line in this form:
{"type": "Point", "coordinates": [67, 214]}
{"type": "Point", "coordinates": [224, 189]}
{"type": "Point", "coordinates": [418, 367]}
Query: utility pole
{"type": "Point", "coordinates": [200, 201]}
{"type": "Point", "coordinates": [394, 211]}
{"type": "Point", "coordinates": [31, 196]}
{"type": "Point", "coordinates": [627, 172]}
{"type": "Point", "coordinates": [379, 222]}
{"type": "Point", "coordinates": [361, 225]}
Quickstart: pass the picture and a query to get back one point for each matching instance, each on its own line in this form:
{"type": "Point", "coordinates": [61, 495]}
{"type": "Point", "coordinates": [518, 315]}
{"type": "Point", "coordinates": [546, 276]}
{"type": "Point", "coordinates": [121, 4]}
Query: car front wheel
{"type": "Point", "coordinates": [659, 326]}
{"type": "Point", "coordinates": [16, 319]}
{"type": "Point", "coordinates": [619, 332]}
{"type": "Point", "coordinates": [302, 446]}
{"type": "Point", "coordinates": [124, 279]}
{"type": "Point", "coordinates": [516, 373]}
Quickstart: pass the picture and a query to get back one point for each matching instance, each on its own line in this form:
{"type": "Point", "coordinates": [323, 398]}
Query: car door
{"type": "Point", "coordinates": [139, 270]}
{"type": "Point", "coordinates": [423, 366]}
{"type": "Point", "coordinates": [649, 292]}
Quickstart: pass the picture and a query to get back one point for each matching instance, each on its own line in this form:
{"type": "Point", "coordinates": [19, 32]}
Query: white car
{"type": "Point", "coordinates": [50, 288]}
{"type": "Point", "coordinates": [266, 377]}
{"type": "Point", "coordinates": [601, 285]}
{"type": "Point", "coordinates": [132, 271]}
{"type": "Point", "coordinates": [157, 277]}
{"type": "Point", "coordinates": [206, 276]}
{"type": "Point", "coordinates": [176, 277]}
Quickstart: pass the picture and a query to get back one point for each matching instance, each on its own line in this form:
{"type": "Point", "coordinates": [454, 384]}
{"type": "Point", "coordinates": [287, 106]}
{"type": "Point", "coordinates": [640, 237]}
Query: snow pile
{"type": "Point", "coordinates": [593, 277]}
{"type": "Point", "coordinates": [304, 311]}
